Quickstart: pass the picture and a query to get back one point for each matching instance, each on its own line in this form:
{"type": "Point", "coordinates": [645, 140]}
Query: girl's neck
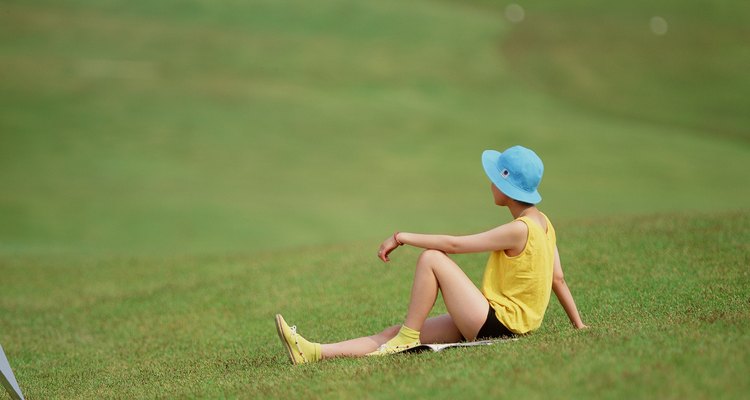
{"type": "Point", "coordinates": [518, 210]}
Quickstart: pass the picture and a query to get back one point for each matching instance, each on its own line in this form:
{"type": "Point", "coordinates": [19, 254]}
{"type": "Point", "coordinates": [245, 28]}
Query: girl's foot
{"type": "Point", "coordinates": [298, 349]}
{"type": "Point", "coordinates": [406, 339]}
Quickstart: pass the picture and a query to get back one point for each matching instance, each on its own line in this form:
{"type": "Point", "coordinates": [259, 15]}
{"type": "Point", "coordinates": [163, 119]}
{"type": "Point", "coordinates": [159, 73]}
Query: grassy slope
{"type": "Point", "coordinates": [164, 126]}
{"type": "Point", "coordinates": [666, 296]}
{"type": "Point", "coordinates": [605, 57]}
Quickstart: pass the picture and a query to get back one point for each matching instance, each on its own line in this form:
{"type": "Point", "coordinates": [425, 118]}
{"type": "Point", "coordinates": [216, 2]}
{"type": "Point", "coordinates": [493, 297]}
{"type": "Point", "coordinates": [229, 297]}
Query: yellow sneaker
{"type": "Point", "coordinates": [387, 348]}
{"type": "Point", "coordinates": [299, 349]}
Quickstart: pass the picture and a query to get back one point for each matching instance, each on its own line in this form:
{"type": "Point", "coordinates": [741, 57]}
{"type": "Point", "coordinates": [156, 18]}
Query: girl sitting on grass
{"type": "Point", "coordinates": [523, 266]}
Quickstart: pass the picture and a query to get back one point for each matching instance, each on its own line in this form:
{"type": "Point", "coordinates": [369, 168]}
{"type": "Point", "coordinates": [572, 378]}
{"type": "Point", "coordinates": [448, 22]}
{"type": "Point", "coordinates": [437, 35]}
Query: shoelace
{"type": "Point", "coordinates": [296, 343]}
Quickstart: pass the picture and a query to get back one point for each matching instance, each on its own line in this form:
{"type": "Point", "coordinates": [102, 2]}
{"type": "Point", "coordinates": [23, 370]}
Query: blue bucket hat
{"type": "Point", "coordinates": [516, 172]}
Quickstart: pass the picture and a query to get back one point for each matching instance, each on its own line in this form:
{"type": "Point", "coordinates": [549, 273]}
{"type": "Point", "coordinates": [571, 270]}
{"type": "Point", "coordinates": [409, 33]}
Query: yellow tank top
{"type": "Point", "coordinates": [518, 288]}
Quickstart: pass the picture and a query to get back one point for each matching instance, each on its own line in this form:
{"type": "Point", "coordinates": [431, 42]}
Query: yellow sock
{"type": "Point", "coordinates": [405, 336]}
{"type": "Point", "coordinates": [310, 350]}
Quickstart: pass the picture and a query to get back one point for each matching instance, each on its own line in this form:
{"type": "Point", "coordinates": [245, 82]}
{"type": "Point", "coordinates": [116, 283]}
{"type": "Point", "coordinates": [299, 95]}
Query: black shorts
{"type": "Point", "coordinates": [493, 328]}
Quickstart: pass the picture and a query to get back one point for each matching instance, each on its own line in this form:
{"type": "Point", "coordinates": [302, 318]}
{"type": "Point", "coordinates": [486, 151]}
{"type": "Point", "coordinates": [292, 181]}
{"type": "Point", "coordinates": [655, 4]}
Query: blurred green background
{"type": "Point", "coordinates": [173, 173]}
{"type": "Point", "coordinates": [230, 126]}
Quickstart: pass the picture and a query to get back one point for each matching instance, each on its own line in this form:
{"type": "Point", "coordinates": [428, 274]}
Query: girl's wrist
{"type": "Point", "coordinates": [395, 238]}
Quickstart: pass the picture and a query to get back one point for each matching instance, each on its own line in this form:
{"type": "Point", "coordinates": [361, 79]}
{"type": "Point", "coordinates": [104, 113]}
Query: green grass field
{"type": "Point", "coordinates": [174, 173]}
{"type": "Point", "coordinates": [667, 305]}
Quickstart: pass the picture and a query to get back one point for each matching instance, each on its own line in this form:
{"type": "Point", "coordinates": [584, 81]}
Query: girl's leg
{"type": "Point", "coordinates": [359, 346]}
{"type": "Point", "coordinates": [465, 303]}
{"type": "Point", "coordinates": [436, 330]}
{"type": "Point", "coordinates": [467, 308]}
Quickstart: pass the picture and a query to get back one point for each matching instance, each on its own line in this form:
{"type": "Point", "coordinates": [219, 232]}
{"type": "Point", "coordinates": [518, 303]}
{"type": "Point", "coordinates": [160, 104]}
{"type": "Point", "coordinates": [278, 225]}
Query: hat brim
{"type": "Point", "coordinates": [490, 160]}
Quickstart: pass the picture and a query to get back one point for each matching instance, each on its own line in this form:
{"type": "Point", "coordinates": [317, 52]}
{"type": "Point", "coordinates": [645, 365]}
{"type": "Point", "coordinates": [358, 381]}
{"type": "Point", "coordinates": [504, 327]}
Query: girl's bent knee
{"type": "Point", "coordinates": [431, 255]}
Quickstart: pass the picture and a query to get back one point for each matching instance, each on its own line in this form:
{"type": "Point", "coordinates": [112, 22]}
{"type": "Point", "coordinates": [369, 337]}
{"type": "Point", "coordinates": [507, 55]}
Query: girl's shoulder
{"type": "Point", "coordinates": [539, 219]}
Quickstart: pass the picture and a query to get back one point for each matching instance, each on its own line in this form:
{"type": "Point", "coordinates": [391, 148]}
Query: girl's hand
{"type": "Point", "coordinates": [387, 247]}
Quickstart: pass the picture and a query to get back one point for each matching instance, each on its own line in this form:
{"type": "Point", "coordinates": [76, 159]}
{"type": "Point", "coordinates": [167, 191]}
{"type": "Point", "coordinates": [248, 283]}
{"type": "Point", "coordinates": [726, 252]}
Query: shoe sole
{"type": "Point", "coordinates": [288, 348]}
{"type": "Point", "coordinates": [413, 349]}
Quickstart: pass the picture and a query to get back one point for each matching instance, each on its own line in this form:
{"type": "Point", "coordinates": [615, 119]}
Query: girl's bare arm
{"type": "Point", "coordinates": [563, 294]}
{"type": "Point", "coordinates": [508, 236]}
